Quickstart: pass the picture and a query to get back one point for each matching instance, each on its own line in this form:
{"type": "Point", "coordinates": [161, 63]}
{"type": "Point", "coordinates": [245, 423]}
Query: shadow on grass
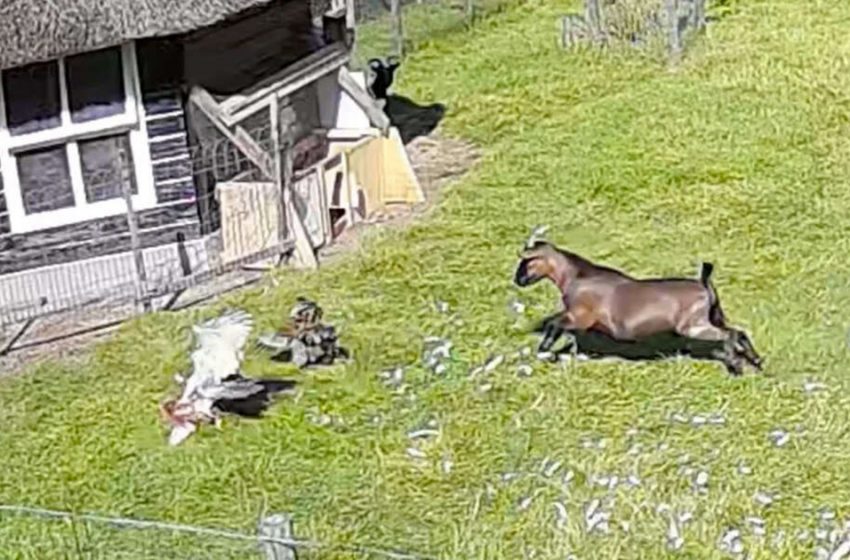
{"type": "Point", "coordinates": [658, 347]}
{"type": "Point", "coordinates": [411, 119]}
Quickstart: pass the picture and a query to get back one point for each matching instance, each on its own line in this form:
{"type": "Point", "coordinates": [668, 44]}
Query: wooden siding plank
{"type": "Point", "coordinates": [172, 191]}
{"type": "Point", "coordinates": [162, 127]}
{"type": "Point", "coordinates": [97, 237]}
{"type": "Point", "coordinates": [23, 259]}
{"type": "Point", "coordinates": [169, 148]}
{"type": "Point", "coordinates": [172, 170]}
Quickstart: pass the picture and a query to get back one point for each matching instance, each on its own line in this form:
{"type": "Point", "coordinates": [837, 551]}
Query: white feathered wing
{"type": "Point", "coordinates": [218, 350]}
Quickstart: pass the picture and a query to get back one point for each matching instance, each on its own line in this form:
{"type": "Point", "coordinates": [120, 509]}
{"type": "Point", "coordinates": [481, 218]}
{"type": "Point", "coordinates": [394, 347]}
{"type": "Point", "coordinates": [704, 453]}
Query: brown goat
{"type": "Point", "coordinates": [604, 300]}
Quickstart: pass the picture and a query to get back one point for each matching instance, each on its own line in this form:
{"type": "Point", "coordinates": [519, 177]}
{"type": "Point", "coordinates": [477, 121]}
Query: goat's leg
{"type": "Point", "coordinates": [552, 331]}
{"type": "Point", "coordinates": [744, 346]}
{"type": "Point", "coordinates": [705, 330]}
{"type": "Point", "coordinates": [566, 321]}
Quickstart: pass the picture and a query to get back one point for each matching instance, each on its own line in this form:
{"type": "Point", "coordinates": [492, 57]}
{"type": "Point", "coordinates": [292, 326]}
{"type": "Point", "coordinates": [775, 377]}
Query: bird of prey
{"type": "Point", "coordinates": [304, 339]}
{"type": "Point", "coordinates": [216, 385]}
{"type": "Point", "coordinates": [383, 76]}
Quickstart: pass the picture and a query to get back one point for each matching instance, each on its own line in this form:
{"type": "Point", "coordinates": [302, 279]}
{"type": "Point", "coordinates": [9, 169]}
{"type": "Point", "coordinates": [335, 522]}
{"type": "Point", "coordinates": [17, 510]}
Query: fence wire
{"type": "Point", "coordinates": [28, 532]}
{"type": "Point", "coordinates": [215, 213]}
{"type": "Point", "coordinates": [383, 30]}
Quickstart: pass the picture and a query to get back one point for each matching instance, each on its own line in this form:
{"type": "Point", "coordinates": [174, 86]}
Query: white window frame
{"type": "Point", "coordinates": [68, 133]}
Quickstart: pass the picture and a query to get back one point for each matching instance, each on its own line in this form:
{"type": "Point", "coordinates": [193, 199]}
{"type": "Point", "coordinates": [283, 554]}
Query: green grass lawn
{"type": "Point", "coordinates": [739, 156]}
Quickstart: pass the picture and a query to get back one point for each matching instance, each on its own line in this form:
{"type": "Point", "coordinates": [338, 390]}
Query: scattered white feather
{"type": "Point", "coordinates": [841, 551]}
{"type": "Point", "coordinates": [813, 386]}
{"type": "Point", "coordinates": [517, 307]}
{"type": "Point", "coordinates": [416, 453]}
{"type": "Point", "coordinates": [763, 499]}
{"type": "Point", "coordinates": [595, 519]}
{"type": "Point", "coordinates": [699, 420]}
{"type": "Point", "coordinates": [675, 541]}
{"type": "Point", "coordinates": [509, 476]}
{"type": "Point", "coordinates": [731, 541]}
{"type": "Point", "coordinates": [180, 432]}
{"type": "Point", "coordinates": [423, 433]}
{"type": "Point", "coordinates": [744, 469]}
{"type": "Point", "coordinates": [525, 503]}
{"type": "Point", "coordinates": [524, 370]}
{"type": "Point", "coordinates": [756, 526]}
{"type": "Point", "coordinates": [560, 515]}
{"type": "Point", "coordinates": [779, 437]}
{"type": "Point", "coordinates": [493, 363]}
{"type": "Point", "coordinates": [551, 469]}
{"type": "Point", "coordinates": [716, 419]}
{"type": "Point", "coordinates": [826, 515]}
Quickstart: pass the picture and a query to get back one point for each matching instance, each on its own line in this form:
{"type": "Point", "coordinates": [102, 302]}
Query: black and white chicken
{"type": "Point", "coordinates": [216, 386]}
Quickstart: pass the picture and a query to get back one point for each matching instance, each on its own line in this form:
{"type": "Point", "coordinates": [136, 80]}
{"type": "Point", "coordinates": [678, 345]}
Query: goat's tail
{"type": "Point", "coordinates": [705, 273]}
{"type": "Point", "coordinates": [715, 313]}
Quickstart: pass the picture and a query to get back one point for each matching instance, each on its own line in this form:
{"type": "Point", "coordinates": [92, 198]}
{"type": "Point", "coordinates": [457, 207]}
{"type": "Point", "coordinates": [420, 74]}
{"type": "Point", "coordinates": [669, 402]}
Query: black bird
{"type": "Point", "coordinates": [384, 74]}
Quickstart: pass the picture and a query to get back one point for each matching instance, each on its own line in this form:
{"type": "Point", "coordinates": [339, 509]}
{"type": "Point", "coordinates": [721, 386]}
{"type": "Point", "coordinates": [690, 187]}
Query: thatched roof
{"type": "Point", "coordinates": [36, 30]}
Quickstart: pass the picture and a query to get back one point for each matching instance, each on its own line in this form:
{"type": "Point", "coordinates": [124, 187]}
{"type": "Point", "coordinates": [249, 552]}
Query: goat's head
{"type": "Point", "coordinates": [536, 260]}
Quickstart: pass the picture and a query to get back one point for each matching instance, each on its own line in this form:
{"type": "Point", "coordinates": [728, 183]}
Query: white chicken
{"type": "Point", "coordinates": [216, 386]}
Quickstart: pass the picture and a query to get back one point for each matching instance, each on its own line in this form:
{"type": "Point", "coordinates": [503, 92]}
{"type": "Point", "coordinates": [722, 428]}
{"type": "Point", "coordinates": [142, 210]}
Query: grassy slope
{"type": "Point", "coordinates": [739, 158]}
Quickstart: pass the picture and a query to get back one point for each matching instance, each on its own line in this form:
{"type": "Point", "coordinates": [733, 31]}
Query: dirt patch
{"type": "Point", "coordinates": [436, 159]}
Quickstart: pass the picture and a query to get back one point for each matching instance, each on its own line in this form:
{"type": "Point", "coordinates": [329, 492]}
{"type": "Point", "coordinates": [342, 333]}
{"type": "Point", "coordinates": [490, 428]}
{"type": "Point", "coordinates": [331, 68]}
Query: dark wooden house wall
{"type": "Point", "coordinates": [176, 213]}
{"type": "Point", "coordinates": [225, 58]}
{"type": "Point", "coordinates": [4, 211]}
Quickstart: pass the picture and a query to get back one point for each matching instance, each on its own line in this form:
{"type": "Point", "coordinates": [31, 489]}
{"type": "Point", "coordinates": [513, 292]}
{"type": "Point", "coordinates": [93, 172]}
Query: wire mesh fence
{"type": "Point", "coordinates": [395, 27]}
{"type": "Point", "coordinates": [36, 533]}
{"type": "Point", "coordinates": [207, 216]}
{"type": "Point", "coordinates": [650, 24]}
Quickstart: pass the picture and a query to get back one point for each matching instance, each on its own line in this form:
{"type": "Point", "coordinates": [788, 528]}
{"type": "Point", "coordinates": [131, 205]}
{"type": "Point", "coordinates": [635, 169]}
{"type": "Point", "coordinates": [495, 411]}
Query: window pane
{"type": "Point", "coordinates": [32, 98]}
{"type": "Point", "coordinates": [45, 180]}
{"type": "Point", "coordinates": [95, 85]}
{"type": "Point", "coordinates": [106, 163]}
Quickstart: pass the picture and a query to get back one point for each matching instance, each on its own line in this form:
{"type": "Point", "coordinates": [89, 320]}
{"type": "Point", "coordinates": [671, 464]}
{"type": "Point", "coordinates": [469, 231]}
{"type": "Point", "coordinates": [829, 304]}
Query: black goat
{"type": "Point", "coordinates": [384, 74]}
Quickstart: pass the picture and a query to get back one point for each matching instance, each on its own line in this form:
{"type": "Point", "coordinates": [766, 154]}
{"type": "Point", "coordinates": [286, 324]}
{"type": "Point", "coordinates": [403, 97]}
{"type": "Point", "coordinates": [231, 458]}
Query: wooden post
{"type": "Point", "coordinates": [304, 252]}
{"type": "Point", "coordinates": [698, 13]}
{"type": "Point", "coordinates": [470, 12]}
{"type": "Point", "coordinates": [593, 16]}
{"type": "Point", "coordinates": [278, 526]}
{"type": "Point", "coordinates": [673, 37]}
{"type": "Point", "coordinates": [397, 28]}
{"type": "Point", "coordinates": [277, 158]}
{"type": "Point", "coordinates": [135, 242]}
{"type": "Point", "coordinates": [572, 27]}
